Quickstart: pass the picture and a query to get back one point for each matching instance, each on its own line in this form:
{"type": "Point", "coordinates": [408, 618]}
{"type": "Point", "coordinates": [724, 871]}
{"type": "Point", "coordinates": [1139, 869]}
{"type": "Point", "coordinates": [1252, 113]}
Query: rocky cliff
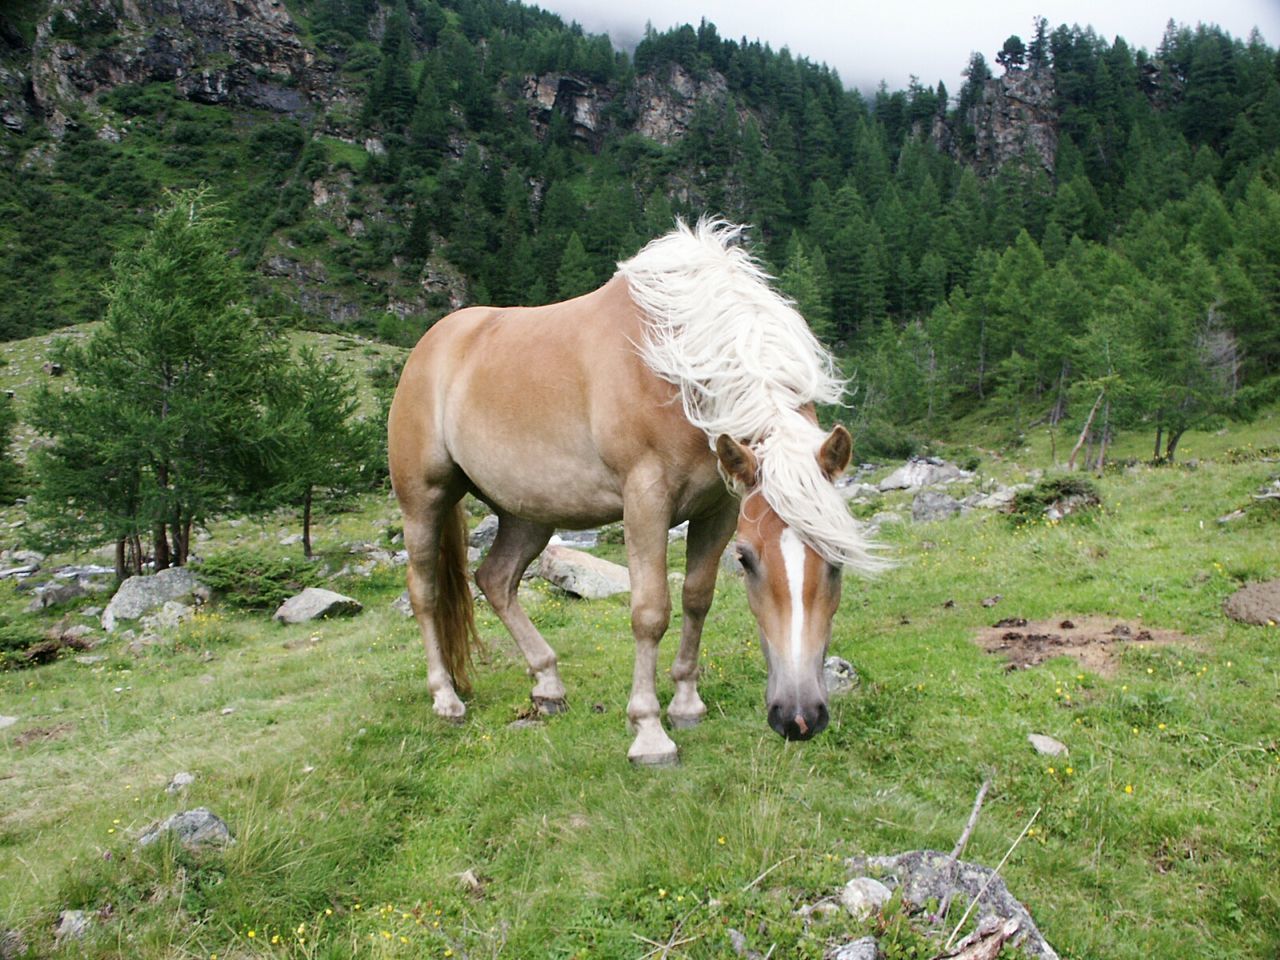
{"type": "Point", "coordinates": [1015, 117]}
{"type": "Point", "coordinates": [246, 52]}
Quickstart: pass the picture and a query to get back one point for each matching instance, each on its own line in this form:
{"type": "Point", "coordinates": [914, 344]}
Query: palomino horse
{"type": "Point", "coordinates": [683, 389]}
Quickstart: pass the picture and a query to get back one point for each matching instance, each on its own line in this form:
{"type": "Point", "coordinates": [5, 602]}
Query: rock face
{"type": "Point", "coordinates": [315, 603]}
{"type": "Point", "coordinates": [664, 103]}
{"type": "Point", "coordinates": [582, 574]}
{"type": "Point", "coordinates": [928, 874]}
{"type": "Point", "coordinates": [192, 828]}
{"type": "Point", "coordinates": [215, 51]}
{"type": "Point", "coordinates": [1014, 118]}
{"type": "Point", "coordinates": [139, 595]}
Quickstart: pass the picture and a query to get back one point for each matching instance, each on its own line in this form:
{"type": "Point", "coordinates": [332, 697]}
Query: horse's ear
{"type": "Point", "coordinates": [737, 461]}
{"type": "Point", "coordinates": [836, 452]}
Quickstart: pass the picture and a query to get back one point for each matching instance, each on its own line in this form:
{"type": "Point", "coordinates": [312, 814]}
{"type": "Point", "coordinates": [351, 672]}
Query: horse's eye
{"type": "Point", "coordinates": [747, 557]}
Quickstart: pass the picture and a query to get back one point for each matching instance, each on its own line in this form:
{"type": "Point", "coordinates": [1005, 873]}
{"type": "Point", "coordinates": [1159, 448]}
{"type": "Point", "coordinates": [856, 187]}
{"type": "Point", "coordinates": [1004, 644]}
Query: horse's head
{"type": "Point", "coordinates": [792, 590]}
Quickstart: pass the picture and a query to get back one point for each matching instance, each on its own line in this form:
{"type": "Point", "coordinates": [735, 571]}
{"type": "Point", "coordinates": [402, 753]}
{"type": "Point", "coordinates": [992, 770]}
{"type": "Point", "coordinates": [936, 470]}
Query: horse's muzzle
{"type": "Point", "coordinates": [798, 723]}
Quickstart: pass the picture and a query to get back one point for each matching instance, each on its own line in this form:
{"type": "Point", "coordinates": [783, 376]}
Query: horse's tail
{"type": "Point", "coordinates": [454, 614]}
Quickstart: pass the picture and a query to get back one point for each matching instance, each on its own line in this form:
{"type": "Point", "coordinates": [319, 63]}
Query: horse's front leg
{"type": "Point", "coordinates": [645, 518]}
{"type": "Point", "coordinates": [706, 542]}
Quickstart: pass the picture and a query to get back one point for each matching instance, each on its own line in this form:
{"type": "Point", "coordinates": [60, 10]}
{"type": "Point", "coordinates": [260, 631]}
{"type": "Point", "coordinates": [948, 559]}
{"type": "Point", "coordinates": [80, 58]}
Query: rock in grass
{"type": "Point", "coordinates": [180, 782]}
{"type": "Point", "coordinates": [582, 574]}
{"type": "Point", "coordinates": [193, 829]}
{"type": "Point", "coordinates": [138, 595]}
{"type": "Point", "coordinates": [54, 595]}
{"type": "Point", "coordinates": [315, 603]}
{"type": "Point", "coordinates": [864, 896]}
{"type": "Point", "coordinates": [72, 925]}
{"type": "Point", "coordinates": [1047, 746]}
{"type": "Point", "coordinates": [7, 722]}
{"type": "Point", "coordinates": [929, 505]}
{"type": "Point", "coordinates": [12, 945]}
{"type": "Point", "coordinates": [839, 676]}
{"type": "Point", "coordinates": [864, 948]}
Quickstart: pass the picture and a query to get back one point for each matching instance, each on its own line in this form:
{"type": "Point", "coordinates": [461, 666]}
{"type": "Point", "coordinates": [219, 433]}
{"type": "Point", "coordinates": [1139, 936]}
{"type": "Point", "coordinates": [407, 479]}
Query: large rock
{"type": "Point", "coordinates": [930, 505]}
{"type": "Point", "coordinates": [485, 532]}
{"type": "Point", "coordinates": [54, 595]}
{"type": "Point", "coordinates": [582, 574]}
{"type": "Point", "coordinates": [864, 948]}
{"type": "Point", "coordinates": [916, 474]}
{"type": "Point", "coordinates": [139, 595]}
{"type": "Point", "coordinates": [864, 896]}
{"type": "Point", "coordinates": [1256, 603]}
{"type": "Point", "coordinates": [193, 829]}
{"type": "Point", "coordinates": [315, 603]}
{"type": "Point", "coordinates": [928, 874]}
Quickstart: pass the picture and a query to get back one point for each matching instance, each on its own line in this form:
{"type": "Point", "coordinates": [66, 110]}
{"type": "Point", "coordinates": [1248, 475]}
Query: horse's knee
{"type": "Point", "coordinates": [649, 621]}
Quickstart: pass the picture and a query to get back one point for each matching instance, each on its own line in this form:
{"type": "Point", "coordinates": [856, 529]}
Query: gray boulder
{"type": "Point", "coordinates": [582, 574]}
{"type": "Point", "coordinates": [485, 532]}
{"type": "Point", "coordinates": [839, 675]}
{"type": "Point", "coordinates": [930, 505]}
{"type": "Point", "coordinates": [54, 594]}
{"type": "Point", "coordinates": [915, 474]}
{"type": "Point", "coordinates": [138, 595]}
{"type": "Point", "coordinates": [864, 948]}
{"type": "Point", "coordinates": [193, 829]}
{"type": "Point", "coordinates": [928, 874]}
{"type": "Point", "coordinates": [864, 896]}
{"type": "Point", "coordinates": [316, 603]}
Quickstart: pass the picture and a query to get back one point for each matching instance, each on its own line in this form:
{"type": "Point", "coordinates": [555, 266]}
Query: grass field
{"type": "Point", "coordinates": [357, 813]}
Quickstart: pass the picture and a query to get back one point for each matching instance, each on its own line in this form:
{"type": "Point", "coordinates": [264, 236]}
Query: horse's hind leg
{"type": "Point", "coordinates": [706, 542]}
{"type": "Point", "coordinates": [517, 543]}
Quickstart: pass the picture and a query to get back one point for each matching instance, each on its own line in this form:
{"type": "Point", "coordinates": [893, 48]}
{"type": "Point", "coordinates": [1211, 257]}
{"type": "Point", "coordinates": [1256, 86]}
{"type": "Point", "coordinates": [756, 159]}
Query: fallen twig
{"type": "Point", "coordinates": [767, 872]}
{"type": "Point", "coordinates": [994, 873]}
{"type": "Point", "coordinates": [962, 843]}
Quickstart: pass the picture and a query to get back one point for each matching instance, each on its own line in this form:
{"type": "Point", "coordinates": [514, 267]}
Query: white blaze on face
{"type": "Point", "coordinates": [793, 562]}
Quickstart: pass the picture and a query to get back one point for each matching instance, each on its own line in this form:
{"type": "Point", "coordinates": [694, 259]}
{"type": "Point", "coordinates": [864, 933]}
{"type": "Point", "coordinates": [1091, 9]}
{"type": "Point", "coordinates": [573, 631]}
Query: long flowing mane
{"type": "Point", "coordinates": [746, 363]}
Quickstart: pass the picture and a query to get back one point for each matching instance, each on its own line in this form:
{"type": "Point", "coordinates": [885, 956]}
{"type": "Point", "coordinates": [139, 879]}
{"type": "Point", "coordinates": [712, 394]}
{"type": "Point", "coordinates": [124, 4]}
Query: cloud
{"type": "Point", "coordinates": [928, 39]}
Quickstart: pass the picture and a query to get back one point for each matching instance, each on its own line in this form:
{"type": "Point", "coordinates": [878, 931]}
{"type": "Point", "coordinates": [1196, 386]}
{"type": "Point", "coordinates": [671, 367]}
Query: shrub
{"type": "Point", "coordinates": [253, 582]}
{"type": "Point", "coordinates": [1069, 495]}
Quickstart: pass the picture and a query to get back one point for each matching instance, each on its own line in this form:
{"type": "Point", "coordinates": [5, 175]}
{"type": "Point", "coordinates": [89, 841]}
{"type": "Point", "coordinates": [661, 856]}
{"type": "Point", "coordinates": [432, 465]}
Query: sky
{"type": "Point", "coordinates": [892, 40]}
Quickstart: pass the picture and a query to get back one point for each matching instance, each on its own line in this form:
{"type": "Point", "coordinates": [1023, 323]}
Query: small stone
{"type": "Point", "coordinates": [72, 925]}
{"type": "Point", "coordinates": [864, 896]}
{"type": "Point", "coordinates": [840, 676]}
{"type": "Point", "coordinates": [12, 945]}
{"type": "Point", "coordinates": [90, 659]}
{"type": "Point", "coordinates": [402, 605]}
{"type": "Point", "coordinates": [180, 782]}
{"type": "Point", "coordinates": [524, 723]}
{"type": "Point", "coordinates": [7, 722]}
{"type": "Point", "coordinates": [227, 711]}
{"type": "Point", "coordinates": [864, 948]}
{"type": "Point", "coordinates": [1047, 746]}
{"type": "Point", "coordinates": [737, 941]}
{"type": "Point", "coordinates": [308, 769]}
{"type": "Point", "coordinates": [193, 829]}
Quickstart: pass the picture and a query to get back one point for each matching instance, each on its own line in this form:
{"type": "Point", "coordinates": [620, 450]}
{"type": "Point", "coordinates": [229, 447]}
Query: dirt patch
{"type": "Point", "coordinates": [39, 734]}
{"type": "Point", "coordinates": [1095, 642]}
{"type": "Point", "coordinates": [1257, 603]}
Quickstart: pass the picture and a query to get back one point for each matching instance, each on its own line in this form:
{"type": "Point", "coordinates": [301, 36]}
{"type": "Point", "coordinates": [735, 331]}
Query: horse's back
{"type": "Point", "coordinates": [546, 410]}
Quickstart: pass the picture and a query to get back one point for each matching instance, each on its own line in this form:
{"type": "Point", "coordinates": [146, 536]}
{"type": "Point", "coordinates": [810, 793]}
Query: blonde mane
{"type": "Point", "coordinates": [746, 364]}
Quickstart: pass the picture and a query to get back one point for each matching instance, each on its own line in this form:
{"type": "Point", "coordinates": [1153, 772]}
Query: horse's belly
{"type": "Point", "coordinates": [542, 482]}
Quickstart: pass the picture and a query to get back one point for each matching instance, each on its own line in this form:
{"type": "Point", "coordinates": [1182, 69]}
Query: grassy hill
{"type": "Point", "coordinates": [357, 813]}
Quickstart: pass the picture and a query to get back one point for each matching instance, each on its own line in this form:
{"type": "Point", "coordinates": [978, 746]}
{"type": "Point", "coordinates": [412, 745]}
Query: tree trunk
{"type": "Point", "coordinates": [1159, 432]}
{"type": "Point", "coordinates": [1174, 437]}
{"type": "Point", "coordinates": [1106, 437]}
{"type": "Point", "coordinates": [120, 572]}
{"type": "Point", "coordinates": [306, 523]}
{"type": "Point", "coordinates": [135, 550]}
{"type": "Point", "coordinates": [162, 555]}
{"type": "Point", "coordinates": [1084, 433]}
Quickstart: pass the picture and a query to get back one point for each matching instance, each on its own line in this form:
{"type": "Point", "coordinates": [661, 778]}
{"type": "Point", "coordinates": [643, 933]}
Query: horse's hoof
{"type": "Point", "coordinates": [665, 758]}
{"type": "Point", "coordinates": [684, 723]}
{"type": "Point", "coordinates": [549, 707]}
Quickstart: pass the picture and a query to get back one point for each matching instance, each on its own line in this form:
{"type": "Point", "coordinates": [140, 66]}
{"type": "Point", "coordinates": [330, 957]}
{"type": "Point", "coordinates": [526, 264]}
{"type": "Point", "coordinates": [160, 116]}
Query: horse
{"type": "Point", "coordinates": [684, 389]}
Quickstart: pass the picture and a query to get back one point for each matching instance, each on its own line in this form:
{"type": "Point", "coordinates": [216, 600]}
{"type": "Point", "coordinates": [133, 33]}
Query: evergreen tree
{"type": "Point", "coordinates": [576, 275]}
{"type": "Point", "coordinates": [166, 424]}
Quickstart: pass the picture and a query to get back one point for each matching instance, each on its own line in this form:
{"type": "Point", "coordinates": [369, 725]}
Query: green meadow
{"type": "Point", "coordinates": [367, 827]}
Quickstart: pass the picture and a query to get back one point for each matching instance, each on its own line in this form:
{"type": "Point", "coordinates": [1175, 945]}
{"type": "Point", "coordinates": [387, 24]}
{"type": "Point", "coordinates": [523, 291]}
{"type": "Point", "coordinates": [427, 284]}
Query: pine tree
{"type": "Point", "coordinates": [575, 276]}
{"type": "Point", "coordinates": [165, 425]}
